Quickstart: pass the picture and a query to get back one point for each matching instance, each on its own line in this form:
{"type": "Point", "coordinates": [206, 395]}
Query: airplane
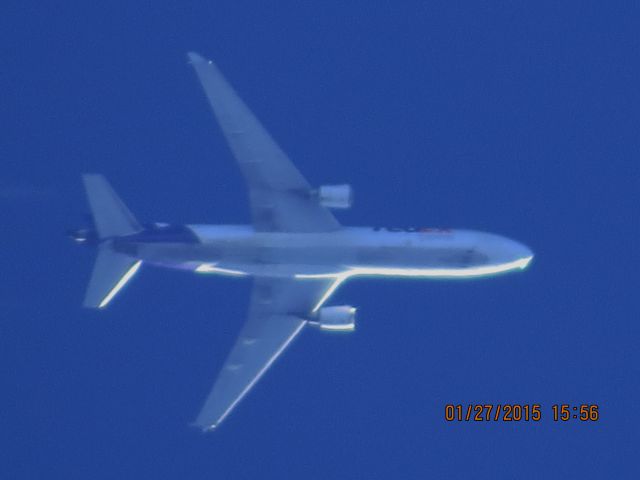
{"type": "Point", "coordinates": [296, 251]}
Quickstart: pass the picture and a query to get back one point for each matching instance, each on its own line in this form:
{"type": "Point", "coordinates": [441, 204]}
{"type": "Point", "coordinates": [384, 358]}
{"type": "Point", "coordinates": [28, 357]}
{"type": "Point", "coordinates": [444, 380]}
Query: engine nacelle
{"type": "Point", "coordinates": [335, 196]}
{"type": "Point", "coordinates": [336, 319]}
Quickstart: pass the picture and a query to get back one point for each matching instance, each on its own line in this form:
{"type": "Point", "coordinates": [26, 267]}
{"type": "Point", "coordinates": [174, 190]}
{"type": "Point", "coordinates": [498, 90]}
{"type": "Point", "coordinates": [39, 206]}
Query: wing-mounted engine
{"type": "Point", "coordinates": [335, 196]}
{"type": "Point", "coordinates": [336, 319]}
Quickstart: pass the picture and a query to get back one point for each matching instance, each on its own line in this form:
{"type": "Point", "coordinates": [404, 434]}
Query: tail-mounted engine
{"type": "Point", "coordinates": [335, 196]}
{"type": "Point", "coordinates": [337, 319]}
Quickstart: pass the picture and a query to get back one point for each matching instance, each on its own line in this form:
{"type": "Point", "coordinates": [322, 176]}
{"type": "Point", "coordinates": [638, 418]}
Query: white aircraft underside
{"type": "Point", "coordinates": [350, 251]}
{"type": "Point", "coordinates": [295, 249]}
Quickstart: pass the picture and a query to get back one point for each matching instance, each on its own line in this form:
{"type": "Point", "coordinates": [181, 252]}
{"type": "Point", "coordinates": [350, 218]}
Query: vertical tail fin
{"type": "Point", "coordinates": [111, 216]}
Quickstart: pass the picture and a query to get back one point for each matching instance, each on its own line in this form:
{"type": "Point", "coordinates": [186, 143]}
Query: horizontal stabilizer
{"type": "Point", "coordinates": [111, 272]}
{"type": "Point", "coordinates": [111, 216]}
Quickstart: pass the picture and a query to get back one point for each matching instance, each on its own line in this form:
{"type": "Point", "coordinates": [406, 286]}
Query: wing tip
{"type": "Point", "coordinates": [203, 427]}
{"type": "Point", "coordinates": [195, 58]}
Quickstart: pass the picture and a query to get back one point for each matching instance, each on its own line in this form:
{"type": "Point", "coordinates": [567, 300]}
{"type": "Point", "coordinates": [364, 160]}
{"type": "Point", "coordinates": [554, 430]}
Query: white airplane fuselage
{"type": "Point", "coordinates": [348, 251]}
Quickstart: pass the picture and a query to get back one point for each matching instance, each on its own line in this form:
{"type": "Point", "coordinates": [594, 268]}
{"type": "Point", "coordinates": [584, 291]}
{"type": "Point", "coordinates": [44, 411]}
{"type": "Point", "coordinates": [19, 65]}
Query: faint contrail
{"type": "Point", "coordinates": [24, 192]}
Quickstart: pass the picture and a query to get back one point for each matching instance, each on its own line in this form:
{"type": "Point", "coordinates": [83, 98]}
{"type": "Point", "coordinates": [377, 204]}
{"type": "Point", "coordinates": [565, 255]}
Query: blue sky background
{"type": "Point", "coordinates": [519, 118]}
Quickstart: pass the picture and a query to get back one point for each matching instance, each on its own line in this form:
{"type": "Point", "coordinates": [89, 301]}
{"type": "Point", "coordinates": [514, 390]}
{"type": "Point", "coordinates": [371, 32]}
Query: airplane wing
{"type": "Point", "coordinates": [279, 195]}
{"type": "Point", "coordinates": [276, 315]}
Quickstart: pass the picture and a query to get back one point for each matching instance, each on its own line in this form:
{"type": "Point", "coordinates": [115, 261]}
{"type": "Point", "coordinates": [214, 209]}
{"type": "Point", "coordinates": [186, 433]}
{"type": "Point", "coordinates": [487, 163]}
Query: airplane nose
{"type": "Point", "coordinates": [519, 253]}
{"type": "Point", "coordinates": [502, 250]}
